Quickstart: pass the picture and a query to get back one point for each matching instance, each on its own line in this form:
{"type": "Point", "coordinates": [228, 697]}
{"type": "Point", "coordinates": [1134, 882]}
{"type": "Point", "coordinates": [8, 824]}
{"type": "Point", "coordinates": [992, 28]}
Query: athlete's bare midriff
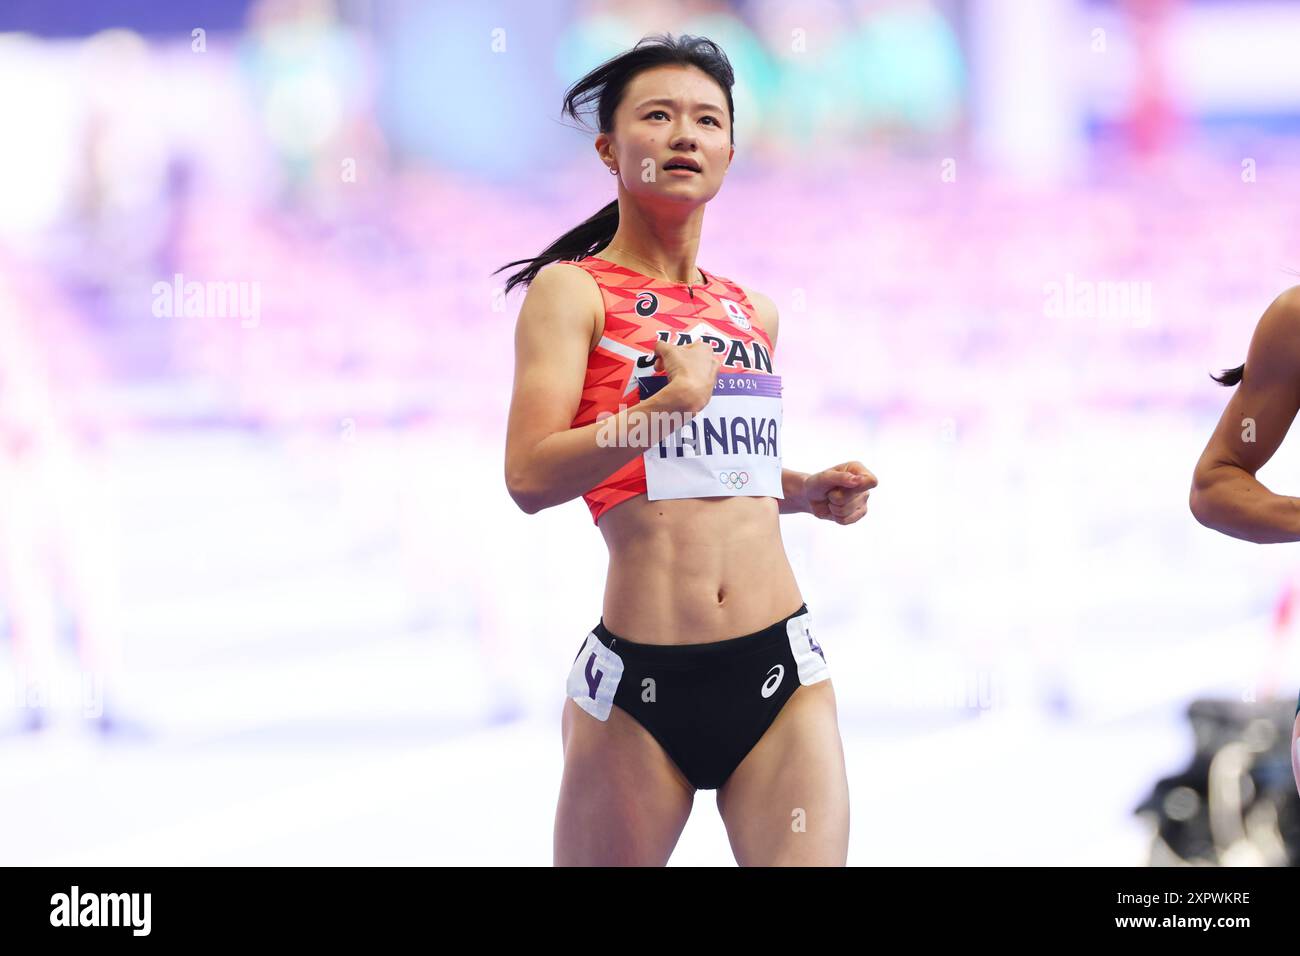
{"type": "Point", "coordinates": [695, 570]}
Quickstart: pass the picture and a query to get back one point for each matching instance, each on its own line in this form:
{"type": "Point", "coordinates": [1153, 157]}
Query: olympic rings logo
{"type": "Point", "coordinates": [735, 480]}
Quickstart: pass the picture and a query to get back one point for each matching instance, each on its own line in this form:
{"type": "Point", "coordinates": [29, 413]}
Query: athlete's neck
{"type": "Point", "coordinates": [664, 248]}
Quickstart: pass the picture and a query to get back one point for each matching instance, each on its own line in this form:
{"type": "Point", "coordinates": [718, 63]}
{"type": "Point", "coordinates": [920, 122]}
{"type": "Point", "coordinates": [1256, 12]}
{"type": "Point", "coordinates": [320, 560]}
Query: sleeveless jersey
{"type": "Point", "coordinates": [731, 447]}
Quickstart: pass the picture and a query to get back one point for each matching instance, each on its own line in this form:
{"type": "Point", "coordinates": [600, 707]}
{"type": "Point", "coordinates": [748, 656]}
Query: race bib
{"type": "Point", "coordinates": [731, 447]}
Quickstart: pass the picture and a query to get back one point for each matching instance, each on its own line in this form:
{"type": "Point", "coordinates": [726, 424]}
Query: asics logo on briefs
{"type": "Point", "coordinates": [735, 480]}
{"type": "Point", "coordinates": [647, 304]}
{"type": "Point", "coordinates": [773, 680]}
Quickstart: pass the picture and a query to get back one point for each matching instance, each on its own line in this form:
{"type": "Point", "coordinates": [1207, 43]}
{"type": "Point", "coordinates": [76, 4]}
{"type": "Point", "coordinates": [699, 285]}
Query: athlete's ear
{"type": "Point", "coordinates": [605, 149]}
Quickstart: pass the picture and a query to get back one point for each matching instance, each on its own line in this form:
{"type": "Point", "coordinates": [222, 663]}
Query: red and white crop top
{"type": "Point", "coordinates": [732, 446]}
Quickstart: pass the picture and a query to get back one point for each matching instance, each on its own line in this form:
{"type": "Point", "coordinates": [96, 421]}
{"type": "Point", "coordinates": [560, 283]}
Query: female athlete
{"type": "Point", "coordinates": [646, 385]}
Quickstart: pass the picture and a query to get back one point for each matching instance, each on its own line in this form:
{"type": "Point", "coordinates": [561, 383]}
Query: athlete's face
{"type": "Point", "coordinates": [667, 113]}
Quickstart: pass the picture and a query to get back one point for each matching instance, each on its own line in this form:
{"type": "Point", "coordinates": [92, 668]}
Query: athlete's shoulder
{"type": "Point", "coordinates": [764, 309]}
{"type": "Point", "coordinates": [762, 303]}
{"type": "Point", "coordinates": [563, 279]}
{"type": "Point", "coordinates": [1275, 346]}
{"type": "Point", "coordinates": [584, 265]}
{"type": "Point", "coordinates": [571, 270]}
{"type": "Point", "coordinates": [1287, 303]}
{"type": "Point", "coordinates": [1281, 320]}
{"type": "Point", "coordinates": [562, 291]}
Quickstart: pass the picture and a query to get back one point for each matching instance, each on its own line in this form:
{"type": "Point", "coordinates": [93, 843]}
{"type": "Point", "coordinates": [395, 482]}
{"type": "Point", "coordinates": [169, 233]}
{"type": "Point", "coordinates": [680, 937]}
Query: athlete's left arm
{"type": "Point", "coordinates": [838, 494]}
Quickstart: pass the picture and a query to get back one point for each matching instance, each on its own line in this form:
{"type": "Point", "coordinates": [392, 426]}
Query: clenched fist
{"type": "Point", "coordinates": [840, 493]}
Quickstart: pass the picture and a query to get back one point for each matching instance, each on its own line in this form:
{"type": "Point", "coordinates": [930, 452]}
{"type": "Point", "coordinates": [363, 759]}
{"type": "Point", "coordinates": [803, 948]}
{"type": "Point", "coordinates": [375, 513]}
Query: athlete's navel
{"type": "Point", "coordinates": [721, 595]}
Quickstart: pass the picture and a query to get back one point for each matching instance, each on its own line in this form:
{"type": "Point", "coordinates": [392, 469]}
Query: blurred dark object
{"type": "Point", "coordinates": [1236, 804]}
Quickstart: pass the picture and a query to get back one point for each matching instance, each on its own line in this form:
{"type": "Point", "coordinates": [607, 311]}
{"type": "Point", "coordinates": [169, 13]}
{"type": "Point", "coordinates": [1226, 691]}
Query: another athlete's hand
{"type": "Point", "coordinates": [692, 371]}
{"type": "Point", "coordinates": [840, 493]}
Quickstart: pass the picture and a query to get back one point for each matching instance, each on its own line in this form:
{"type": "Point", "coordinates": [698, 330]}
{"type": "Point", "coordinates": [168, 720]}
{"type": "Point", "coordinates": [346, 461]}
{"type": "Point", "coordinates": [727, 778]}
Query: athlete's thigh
{"type": "Point", "coordinates": [787, 804]}
{"type": "Point", "coordinates": [622, 801]}
{"type": "Point", "coordinates": [1295, 751]}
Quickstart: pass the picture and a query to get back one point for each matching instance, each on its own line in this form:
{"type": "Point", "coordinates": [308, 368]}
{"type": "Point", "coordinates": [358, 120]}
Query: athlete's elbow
{"type": "Point", "coordinates": [523, 491]}
{"type": "Point", "coordinates": [529, 506]}
{"type": "Point", "coordinates": [1201, 503]}
{"type": "Point", "coordinates": [1201, 498]}
{"type": "Point", "coordinates": [1211, 510]}
{"type": "Point", "coordinates": [529, 502]}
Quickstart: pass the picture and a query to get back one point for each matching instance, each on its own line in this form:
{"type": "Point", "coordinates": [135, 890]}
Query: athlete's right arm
{"type": "Point", "coordinates": [1226, 495]}
{"type": "Point", "coordinates": [547, 462]}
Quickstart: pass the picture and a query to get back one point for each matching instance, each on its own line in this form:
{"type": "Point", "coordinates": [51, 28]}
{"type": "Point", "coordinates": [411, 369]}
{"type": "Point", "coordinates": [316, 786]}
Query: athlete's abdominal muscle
{"type": "Point", "coordinates": [685, 570]}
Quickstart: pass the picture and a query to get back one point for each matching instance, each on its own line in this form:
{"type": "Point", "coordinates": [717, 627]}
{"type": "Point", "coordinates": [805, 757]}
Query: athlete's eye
{"type": "Point", "coordinates": [653, 113]}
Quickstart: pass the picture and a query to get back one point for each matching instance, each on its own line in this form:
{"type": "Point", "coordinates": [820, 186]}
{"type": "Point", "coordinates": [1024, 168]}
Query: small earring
{"type": "Point", "coordinates": [613, 170]}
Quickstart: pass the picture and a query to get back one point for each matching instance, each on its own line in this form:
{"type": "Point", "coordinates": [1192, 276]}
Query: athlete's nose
{"type": "Point", "coordinates": [684, 141]}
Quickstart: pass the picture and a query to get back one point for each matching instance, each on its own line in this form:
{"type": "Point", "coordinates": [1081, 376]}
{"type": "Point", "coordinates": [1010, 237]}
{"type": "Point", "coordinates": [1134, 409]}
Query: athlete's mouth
{"type": "Point", "coordinates": [687, 164]}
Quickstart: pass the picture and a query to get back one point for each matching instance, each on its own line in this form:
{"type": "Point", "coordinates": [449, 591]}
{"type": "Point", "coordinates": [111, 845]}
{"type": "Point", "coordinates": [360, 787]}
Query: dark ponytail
{"type": "Point", "coordinates": [582, 240]}
{"type": "Point", "coordinates": [604, 86]}
{"type": "Point", "coordinates": [1230, 376]}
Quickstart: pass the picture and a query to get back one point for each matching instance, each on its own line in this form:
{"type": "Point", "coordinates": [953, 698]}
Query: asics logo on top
{"type": "Point", "coordinates": [773, 680]}
{"type": "Point", "coordinates": [647, 304]}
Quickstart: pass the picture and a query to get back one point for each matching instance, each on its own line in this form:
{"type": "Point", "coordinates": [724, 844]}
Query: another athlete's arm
{"type": "Point", "coordinates": [548, 463]}
{"type": "Point", "coordinates": [1225, 494]}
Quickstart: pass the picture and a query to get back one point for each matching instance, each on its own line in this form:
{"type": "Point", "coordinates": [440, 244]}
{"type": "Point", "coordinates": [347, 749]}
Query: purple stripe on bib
{"type": "Point", "coordinates": [728, 383]}
{"type": "Point", "coordinates": [745, 383]}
